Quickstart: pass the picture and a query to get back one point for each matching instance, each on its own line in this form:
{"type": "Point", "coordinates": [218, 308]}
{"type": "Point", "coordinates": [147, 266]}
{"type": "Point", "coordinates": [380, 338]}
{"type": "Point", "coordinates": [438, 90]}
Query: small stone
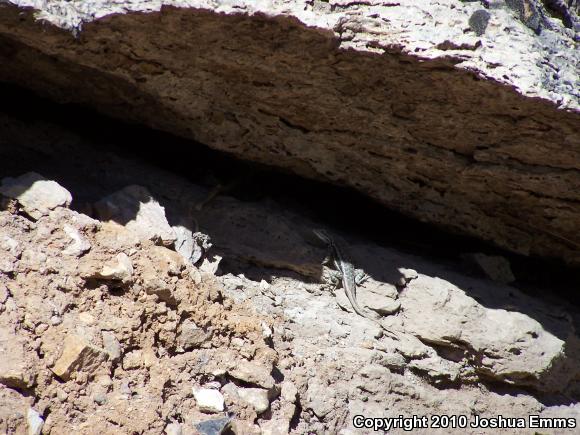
{"type": "Point", "coordinates": [478, 21]}
{"type": "Point", "coordinates": [61, 395]}
{"type": "Point", "coordinates": [139, 212]}
{"type": "Point", "coordinates": [111, 345]}
{"type": "Point", "coordinates": [78, 355]}
{"type": "Point", "coordinates": [100, 399]}
{"type": "Point", "coordinates": [173, 429]}
{"type": "Point", "coordinates": [190, 335]}
{"type": "Point", "coordinates": [10, 245]}
{"type": "Point", "coordinates": [208, 400]}
{"type": "Point", "coordinates": [37, 195]}
{"type": "Point", "coordinates": [257, 398]}
{"type": "Point", "coordinates": [7, 264]}
{"type": "Point", "coordinates": [154, 285]}
{"type": "Point", "coordinates": [35, 422]}
{"type": "Point", "coordinates": [79, 244]}
{"type": "Point", "coordinates": [41, 328]}
{"type": "Point", "coordinates": [55, 320]}
{"type": "Point", "coordinates": [214, 427]}
{"type": "Point", "coordinates": [210, 267]}
{"type": "Point", "coordinates": [192, 247]}
{"type": "Point", "coordinates": [289, 391]}
{"type": "Point", "coordinates": [253, 373]}
{"type": "Point", "coordinates": [120, 268]}
{"type": "Point", "coordinates": [133, 360]}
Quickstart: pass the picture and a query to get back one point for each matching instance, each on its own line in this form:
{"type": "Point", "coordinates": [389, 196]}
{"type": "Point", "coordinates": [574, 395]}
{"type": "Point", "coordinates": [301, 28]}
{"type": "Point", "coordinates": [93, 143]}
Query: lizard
{"type": "Point", "coordinates": [346, 273]}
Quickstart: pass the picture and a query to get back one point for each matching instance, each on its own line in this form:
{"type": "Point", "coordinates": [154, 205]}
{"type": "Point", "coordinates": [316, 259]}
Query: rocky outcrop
{"type": "Point", "coordinates": [464, 114]}
{"type": "Point", "coordinates": [187, 350]}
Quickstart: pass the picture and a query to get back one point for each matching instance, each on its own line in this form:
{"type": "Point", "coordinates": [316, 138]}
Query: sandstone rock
{"type": "Point", "coordinates": [135, 208]}
{"type": "Point", "coordinates": [253, 373]}
{"type": "Point", "coordinates": [510, 346]}
{"type": "Point", "coordinates": [407, 66]}
{"type": "Point", "coordinates": [37, 195]}
{"type": "Point", "coordinates": [78, 355]}
{"type": "Point", "coordinates": [79, 244]}
{"type": "Point", "coordinates": [120, 268]}
{"type": "Point", "coordinates": [166, 261]}
{"type": "Point", "coordinates": [208, 400]}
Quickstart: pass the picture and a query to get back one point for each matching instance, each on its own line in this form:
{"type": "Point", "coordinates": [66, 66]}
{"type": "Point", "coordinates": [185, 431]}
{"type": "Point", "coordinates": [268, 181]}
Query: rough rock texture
{"type": "Point", "coordinates": [427, 107]}
{"type": "Point", "coordinates": [258, 335]}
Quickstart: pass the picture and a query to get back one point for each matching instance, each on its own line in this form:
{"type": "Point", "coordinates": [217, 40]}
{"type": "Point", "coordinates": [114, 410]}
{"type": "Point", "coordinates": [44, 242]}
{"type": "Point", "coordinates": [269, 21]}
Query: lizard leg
{"type": "Point", "coordinates": [360, 277]}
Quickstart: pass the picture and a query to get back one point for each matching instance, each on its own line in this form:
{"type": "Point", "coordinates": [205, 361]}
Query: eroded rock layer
{"type": "Point", "coordinates": [339, 97]}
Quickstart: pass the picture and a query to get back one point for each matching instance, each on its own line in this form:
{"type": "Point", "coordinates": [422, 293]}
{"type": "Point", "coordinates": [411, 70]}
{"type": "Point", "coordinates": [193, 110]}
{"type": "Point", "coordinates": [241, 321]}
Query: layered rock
{"type": "Point", "coordinates": [464, 114]}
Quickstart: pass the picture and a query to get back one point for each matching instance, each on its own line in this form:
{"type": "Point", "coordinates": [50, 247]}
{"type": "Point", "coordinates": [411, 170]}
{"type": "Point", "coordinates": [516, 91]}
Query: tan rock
{"type": "Point", "coordinates": [78, 355]}
{"type": "Point", "coordinates": [253, 373]}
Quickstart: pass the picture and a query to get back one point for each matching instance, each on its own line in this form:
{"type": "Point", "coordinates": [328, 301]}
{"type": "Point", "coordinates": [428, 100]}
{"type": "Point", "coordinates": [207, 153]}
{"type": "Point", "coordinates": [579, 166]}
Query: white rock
{"type": "Point", "coordinates": [35, 422]}
{"type": "Point", "coordinates": [37, 195]}
{"type": "Point", "coordinates": [120, 268]}
{"type": "Point", "coordinates": [210, 267]}
{"type": "Point", "coordinates": [257, 398]}
{"type": "Point", "coordinates": [134, 207]}
{"type": "Point", "coordinates": [208, 400]}
{"type": "Point", "coordinates": [173, 429]}
{"type": "Point", "coordinates": [79, 244]}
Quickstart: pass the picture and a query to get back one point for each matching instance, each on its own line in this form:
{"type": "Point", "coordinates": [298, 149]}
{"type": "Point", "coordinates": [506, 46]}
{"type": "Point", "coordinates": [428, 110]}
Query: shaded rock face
{"type": "Point", "coordinates": [430, 140]}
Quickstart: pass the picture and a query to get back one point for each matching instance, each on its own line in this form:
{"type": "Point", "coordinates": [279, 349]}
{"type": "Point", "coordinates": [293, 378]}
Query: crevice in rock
{"type": "Point", "coordinates": [342, 208]}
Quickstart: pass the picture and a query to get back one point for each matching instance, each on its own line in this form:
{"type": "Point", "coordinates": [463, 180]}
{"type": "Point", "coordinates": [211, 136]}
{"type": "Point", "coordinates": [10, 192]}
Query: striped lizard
{"type": "Point", "coordinates": [346, 273]}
